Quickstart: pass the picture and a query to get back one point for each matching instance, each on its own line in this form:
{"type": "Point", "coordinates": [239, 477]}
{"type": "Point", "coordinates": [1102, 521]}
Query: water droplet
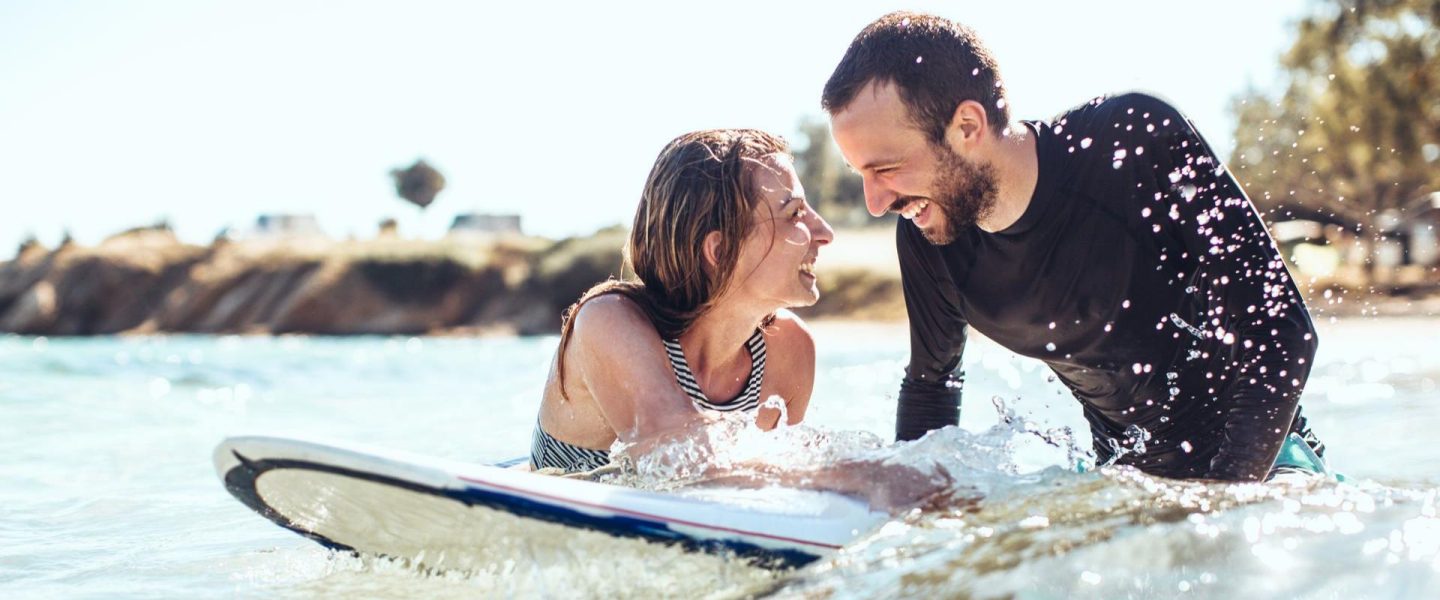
{"type": "Point", "coordinates": [1085, 142]}
{"type": "Point", "coordinates": [1050, 346]}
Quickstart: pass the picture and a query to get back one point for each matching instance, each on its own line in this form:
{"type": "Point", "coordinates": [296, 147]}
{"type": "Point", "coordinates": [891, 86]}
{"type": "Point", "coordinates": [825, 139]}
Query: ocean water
{"type": "Point", "coordinates": [106, 486]}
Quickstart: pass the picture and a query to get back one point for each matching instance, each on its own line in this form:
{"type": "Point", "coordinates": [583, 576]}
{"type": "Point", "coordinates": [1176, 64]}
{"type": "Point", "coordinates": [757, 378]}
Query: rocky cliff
{"type": "Point", "coordinates": [146, 281]}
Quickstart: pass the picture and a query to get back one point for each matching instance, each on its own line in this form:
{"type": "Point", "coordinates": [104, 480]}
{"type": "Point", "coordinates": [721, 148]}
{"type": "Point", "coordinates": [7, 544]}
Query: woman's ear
{"type": "Point", "coordinates": [711, 250]}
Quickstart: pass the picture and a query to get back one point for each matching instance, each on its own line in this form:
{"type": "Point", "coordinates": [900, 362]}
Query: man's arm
{"type": "Point", "coordinates": [930, 392]}
{"type": "Point", "coordinates": [1254, 308]}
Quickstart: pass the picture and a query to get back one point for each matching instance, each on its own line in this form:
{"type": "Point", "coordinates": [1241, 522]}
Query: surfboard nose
{"type": "Point", "coordinates": [224, 457]}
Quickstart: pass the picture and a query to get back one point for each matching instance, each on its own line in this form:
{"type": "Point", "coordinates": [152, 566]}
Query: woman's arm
{"type": "Point", "coordinates": [790, 364]}
{"type": "Point", "coordinates": [617, 355]}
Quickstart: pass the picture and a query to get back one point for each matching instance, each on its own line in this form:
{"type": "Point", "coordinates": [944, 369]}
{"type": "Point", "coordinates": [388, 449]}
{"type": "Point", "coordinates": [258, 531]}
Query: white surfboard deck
{"type": "Point", "coordinates": [451, 515]}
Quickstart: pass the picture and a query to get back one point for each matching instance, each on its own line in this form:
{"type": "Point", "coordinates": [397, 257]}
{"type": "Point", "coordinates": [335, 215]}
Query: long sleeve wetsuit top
{"type": "Point", "coordinates": [1143, 276]}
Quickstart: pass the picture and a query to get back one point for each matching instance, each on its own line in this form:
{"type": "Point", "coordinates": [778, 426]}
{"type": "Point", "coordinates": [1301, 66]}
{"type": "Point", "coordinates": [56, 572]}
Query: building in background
{"type": "Point", "coordinates": [268, 226]}
{"type": "Point", "coordinates": [484, 224]}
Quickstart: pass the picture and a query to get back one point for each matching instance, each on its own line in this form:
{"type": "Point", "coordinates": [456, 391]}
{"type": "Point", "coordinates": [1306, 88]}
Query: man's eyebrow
{"type": "Point", "coordinates": [875, 164]}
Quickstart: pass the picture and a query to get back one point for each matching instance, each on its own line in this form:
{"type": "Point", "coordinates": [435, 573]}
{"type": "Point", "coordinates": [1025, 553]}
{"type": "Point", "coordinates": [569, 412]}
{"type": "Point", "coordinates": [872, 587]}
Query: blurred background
{"type": "Point", "coordinates": [438, 145]}
{"type": "Point", "coordinates": [378, 171]}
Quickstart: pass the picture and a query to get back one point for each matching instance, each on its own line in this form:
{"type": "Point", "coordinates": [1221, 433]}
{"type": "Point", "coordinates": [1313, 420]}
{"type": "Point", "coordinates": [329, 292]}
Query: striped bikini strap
{"type": "Point", "coordinates": [546, 451]}
{"type": "Point", "coordinates": [748, 399]}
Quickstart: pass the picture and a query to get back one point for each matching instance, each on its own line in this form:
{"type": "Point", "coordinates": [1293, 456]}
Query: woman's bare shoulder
{"type": "Point", "coordinates": [609, 315]}
{"type": "Point", "coordinates": [789, 335]}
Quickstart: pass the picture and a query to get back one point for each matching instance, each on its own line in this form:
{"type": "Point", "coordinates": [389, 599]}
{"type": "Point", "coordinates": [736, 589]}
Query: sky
{"type": "Point", "coordinates": [207, 114]}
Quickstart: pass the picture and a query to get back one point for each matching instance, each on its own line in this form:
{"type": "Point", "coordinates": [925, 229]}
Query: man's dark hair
{"type": "Point", "coordinates": [935, 63]}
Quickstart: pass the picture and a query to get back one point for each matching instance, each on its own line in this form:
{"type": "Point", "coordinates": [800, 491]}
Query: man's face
{"type": "Point", "coordinates": [935, 187]}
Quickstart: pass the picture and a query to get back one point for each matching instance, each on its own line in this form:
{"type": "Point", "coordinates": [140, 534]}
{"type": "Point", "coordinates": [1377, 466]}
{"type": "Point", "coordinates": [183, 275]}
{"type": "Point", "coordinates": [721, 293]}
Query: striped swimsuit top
{"type": "Point", "coordinates": [546, 451]}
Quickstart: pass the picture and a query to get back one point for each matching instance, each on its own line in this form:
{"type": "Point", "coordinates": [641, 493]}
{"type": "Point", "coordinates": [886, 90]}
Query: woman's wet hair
{"type": "Point", "coordinates": [702, 182]}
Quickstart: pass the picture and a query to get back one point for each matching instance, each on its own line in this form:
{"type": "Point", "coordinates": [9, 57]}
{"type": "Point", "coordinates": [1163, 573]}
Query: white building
{"type": "Point", "coordinates": [485, 224]}
{"type": "Point", "coordinates": [286, 225]}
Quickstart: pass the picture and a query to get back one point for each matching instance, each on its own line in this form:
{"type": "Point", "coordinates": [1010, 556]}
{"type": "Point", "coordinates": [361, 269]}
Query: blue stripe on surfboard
{"type": "Point", "coordinates": [240, 481]}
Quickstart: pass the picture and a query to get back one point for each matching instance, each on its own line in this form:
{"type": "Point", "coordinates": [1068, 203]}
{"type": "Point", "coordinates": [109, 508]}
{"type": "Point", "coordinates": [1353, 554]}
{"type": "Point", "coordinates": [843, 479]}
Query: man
{"type": "Point", "coordinates": [1109, 243]}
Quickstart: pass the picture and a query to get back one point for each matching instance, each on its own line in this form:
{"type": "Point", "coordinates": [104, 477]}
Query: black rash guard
{"type": "Point", "coordinates": [1142, 275]}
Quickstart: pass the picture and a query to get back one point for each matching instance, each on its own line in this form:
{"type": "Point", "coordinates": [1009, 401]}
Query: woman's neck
{"type": "Point", "coordinates": [717, 339]}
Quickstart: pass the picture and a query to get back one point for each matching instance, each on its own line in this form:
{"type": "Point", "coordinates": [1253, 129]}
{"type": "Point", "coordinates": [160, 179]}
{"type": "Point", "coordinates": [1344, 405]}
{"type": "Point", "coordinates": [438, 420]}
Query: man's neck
{"type": "Point", "coordinates": [1017, 170]}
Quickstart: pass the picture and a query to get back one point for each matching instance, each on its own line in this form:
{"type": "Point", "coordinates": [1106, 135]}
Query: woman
{"type": "Point", "coordinates": [723, 242]}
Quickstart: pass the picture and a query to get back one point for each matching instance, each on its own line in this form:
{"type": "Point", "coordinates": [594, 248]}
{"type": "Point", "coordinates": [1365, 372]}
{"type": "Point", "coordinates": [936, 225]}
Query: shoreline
{"type": "Point", "coordinates": [148, 282]}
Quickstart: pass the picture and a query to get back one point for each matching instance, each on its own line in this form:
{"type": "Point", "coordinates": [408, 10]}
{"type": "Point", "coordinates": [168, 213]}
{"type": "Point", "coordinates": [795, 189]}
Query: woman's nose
{"type": "Point", "coordinates": [823, 233]}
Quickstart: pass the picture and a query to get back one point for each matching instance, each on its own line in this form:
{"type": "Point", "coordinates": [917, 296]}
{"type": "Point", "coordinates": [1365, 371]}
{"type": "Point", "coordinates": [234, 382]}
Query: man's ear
{"type": "Point", "coordinates": [968, 125]}
{"type": "Point", "coordinates": [710, 247]}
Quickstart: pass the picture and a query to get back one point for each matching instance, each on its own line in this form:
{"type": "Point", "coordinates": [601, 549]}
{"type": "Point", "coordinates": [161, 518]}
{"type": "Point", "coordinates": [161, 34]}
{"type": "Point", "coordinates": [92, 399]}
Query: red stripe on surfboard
{"type": "Point", "coordinates": [637, 513]}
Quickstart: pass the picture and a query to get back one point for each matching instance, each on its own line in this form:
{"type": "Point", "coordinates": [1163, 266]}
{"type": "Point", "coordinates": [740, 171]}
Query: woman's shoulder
{"type": "Point", "coordinates": [609, 315]}
{"type": "Point", "coordinates": [790, 362]}
{"type": "Point", "coordinates": [790, 333]}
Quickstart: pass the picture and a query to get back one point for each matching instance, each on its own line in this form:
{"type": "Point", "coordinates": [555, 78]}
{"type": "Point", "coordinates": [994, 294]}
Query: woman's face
{"type": "Point", "coordinates": [777, 260]}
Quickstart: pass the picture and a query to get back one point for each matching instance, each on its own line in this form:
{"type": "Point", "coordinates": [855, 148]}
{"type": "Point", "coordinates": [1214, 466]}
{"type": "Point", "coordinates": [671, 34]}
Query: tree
{"type": "Point", "coordinates": [1353, 138]}
{"type": "Point", "coordinates": [830, 184]}
{"type": "Point", "coordinates": [418, 184]}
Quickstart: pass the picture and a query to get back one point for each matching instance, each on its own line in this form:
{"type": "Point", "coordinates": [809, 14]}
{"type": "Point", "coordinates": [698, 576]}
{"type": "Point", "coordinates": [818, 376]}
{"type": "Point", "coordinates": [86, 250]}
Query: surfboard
{"type": "Point", "coordinates": [451, 515]}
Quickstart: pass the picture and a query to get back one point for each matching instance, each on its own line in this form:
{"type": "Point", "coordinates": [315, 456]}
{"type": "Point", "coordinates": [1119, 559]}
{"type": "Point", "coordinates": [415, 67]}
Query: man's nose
{"type": "Point", "coordinates": [877, 198]}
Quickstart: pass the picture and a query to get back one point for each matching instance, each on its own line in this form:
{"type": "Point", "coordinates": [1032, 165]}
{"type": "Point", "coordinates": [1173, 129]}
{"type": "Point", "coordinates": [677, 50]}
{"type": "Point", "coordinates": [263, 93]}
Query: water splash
{"type": "Point", "coordinates": [954, 463]}
{"type": "Point", "coordinates": [1121, 533]}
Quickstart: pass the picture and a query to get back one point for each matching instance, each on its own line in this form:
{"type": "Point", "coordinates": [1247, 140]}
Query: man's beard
{"type": "Point", "coordinates": [964, 191]}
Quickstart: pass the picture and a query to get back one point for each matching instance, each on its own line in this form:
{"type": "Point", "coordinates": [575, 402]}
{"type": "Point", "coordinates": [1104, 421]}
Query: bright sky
{"type": "Point", "coordinates": [117, 114]}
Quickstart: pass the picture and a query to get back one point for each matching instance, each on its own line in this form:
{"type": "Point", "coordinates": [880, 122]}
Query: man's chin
{"type": "Point", "coordinates": [938, 234]}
